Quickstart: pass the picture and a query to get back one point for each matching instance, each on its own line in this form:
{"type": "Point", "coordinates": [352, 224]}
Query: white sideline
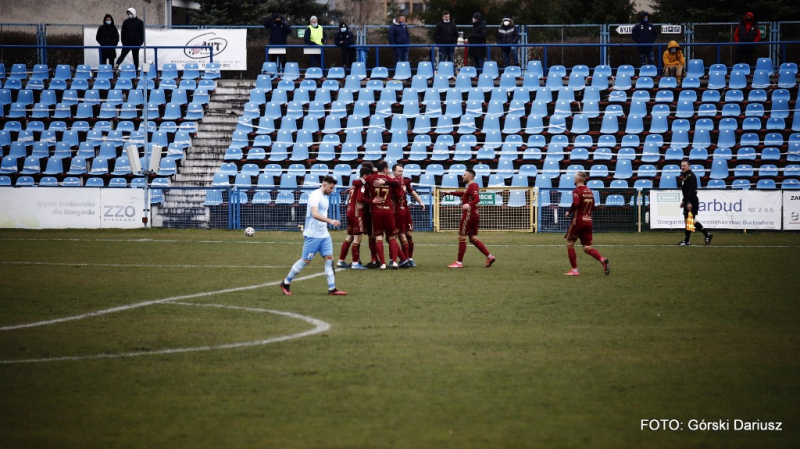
{"type": "Point", "coordinates": [319, 327]}
{"type": "Point", "coordinates": [148, 303]}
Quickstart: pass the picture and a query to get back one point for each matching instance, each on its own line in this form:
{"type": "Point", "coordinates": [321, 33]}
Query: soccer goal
{"type": "Point", "coordinates": [501, 209]}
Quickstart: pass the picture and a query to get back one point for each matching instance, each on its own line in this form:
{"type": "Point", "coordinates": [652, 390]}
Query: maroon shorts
{"type": "Point", "coordinates": [582, 232]}
{"type": "Point", "coordinates": [383, 223]}
{"type": "Point", "coordinates": [402, 220]}
{"type": "Point", "coordinates": [469, 224]}
{"type": "Point", "coordinates": [355, 224]}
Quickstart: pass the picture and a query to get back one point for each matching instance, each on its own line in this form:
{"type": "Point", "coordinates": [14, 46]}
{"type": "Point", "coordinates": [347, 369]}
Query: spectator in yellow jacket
{"type": "Point", "coordinates": [674, 61]}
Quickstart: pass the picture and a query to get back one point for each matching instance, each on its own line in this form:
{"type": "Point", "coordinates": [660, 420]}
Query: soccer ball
{"type": "Point", "coordinates": [249, 232]}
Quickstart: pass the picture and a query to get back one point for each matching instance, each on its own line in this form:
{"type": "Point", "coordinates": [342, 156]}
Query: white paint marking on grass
{"type": "Point", "coordinates": [149, 303]}
{"type": "Point", "coordinates": [319, 327]}
{"type": "Point", "coordinates": [111, 265]}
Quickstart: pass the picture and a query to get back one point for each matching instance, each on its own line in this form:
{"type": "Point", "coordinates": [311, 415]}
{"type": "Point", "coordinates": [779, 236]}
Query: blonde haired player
{"type": "Point", "coordinates": [581, 226]}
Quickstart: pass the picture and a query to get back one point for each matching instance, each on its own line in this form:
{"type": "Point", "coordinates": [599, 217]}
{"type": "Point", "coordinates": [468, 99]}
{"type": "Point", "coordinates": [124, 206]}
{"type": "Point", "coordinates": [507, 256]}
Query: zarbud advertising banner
{"type": "Point", "coordinates": [791, 209]}
{"type": "Point", "coordinates": [229, 47]}
{"type": "Point", "coordinates": [720, 209]}
{"type": "Point", "coordinates": [62, 208]}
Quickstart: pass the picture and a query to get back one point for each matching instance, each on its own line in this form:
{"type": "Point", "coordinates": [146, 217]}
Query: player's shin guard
{"type": "Point", "coordinates": [345, 249]}
{"type": "Point", "coordinates": [573, 257]}
{"type": "Point", "coordinates": [481, 247]}
{"type": "Point", "coordinates": [594, 253]}
{"type": "Point", "coordinates": [329, 274]}
{"type": "Point", "coordinates": [356, 252]}
{"type": "Point", "coordinates": [379, 250]}
{"type": "Point", "coordinates": [393, 249]}
{"type": "Point", "coordinates": [296, 269]}
{"type": "Point", "coordinates": [373, 248]}
{"type": "Point", "coordinates": [405, 251]}
{"type": "Point", "coordinates": [462, 248]}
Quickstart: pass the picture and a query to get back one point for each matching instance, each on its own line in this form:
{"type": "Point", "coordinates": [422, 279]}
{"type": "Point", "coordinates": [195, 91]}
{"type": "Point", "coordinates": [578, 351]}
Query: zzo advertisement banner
{"type": "Point", "coordinates": [719, 209]}
{"type": "Point", "coordinates": [229, 47]}
{"type": "Point", "coordinates": [62, 208]}
{"type": "Point", "coordinates": [791, 209]}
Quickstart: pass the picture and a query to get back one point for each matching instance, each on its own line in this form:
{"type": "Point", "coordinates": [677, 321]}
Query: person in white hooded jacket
{"type": "Point", "coordinates": [132, 35]}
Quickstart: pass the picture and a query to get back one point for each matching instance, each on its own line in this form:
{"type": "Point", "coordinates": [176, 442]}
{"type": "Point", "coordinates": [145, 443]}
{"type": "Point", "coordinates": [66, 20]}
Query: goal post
{"type": "Point", "coordinates": [501, 208]}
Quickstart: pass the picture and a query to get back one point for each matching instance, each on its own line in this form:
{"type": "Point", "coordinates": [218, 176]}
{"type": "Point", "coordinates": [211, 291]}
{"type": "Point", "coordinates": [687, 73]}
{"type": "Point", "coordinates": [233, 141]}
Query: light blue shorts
{"type": "Point", "coordinates": [311, 246]}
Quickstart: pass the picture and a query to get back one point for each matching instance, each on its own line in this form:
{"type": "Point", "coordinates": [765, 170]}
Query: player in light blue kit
{"type": "Point", "coordinates": [316, 238]}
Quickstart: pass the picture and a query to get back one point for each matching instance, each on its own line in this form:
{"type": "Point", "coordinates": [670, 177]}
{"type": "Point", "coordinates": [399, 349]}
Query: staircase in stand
{"type": "Point", "coordinates": [186, 208]}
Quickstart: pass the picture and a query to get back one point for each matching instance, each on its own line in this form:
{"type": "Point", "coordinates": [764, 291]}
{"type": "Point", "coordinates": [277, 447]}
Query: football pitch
{"type": "Point", "coordinates": [183, 339]}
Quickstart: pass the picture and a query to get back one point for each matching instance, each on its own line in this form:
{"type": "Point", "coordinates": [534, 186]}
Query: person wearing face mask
{"type": "Point", "coordinates": [674, 61]}
{"type": "Point", "coordinates": [108, 36]}
{"type": "Point", "coordinates": [279, 31]}
{"type": "Point", "coordinates": [508, 34]}
{"type": "Point", "coordinates": [477, 37]}
{"type": "Point", "coordinates": [314, 35]}
{"type": "Point", "coordinates": [398, 35]}
{"type": "Point", "coordinates": [344, 40]}
{"type": "Point", "coordinates": [446, 33]}
{"type": "Point", "coordinates": [747, 31]}
{"type": "Point", "coordinates": [133, 36]}
{"type": "Point", "coordinates": [645, 32]}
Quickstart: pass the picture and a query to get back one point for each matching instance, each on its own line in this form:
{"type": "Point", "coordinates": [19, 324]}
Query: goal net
{"type": "Point", "coordinates": [501, 209]}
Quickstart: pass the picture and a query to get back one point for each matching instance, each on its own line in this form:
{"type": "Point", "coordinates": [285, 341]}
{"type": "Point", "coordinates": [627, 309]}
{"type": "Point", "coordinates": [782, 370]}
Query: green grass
{"type": "Point", "coordinates": [513, 356]}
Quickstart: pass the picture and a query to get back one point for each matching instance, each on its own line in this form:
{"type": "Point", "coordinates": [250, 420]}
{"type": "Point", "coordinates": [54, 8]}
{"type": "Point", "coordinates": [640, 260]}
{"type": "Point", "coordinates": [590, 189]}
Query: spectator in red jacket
{"type": "Point", "coordinates": [747, 31]}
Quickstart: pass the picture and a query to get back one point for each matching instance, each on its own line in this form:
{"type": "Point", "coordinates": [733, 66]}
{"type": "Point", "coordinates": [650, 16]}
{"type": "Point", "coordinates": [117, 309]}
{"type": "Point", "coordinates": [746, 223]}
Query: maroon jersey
{"type": "Point", "coordinates": [470, 219]}
{"type": "Point", "coordinates": [355, 207]}
{"type": "Point", "coordinates": [582, 206]}
{"type": "Point", "coordinates": [382, 191]}
{"type": "Point", "coordinates": [472, 197]}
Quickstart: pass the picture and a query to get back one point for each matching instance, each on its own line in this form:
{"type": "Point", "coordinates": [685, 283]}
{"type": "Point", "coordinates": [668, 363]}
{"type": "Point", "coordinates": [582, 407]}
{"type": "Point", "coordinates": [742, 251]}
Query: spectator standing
{"type": "Point", "coordinates": [478, 37]}
{"type": "Point", "coordinates": [445, 33]}
{"type": "Point", "coordinates": [747, 31]}
{"type": "Point", "coordinates": [399, 37]}
{"type": "Point", "coordinates": [315, 35]}
{"type": "Point", "coordinates": [674, 61]}
{"type": "Point", "coordinates": [108, 36]}
{"type": "Point", "coordinates": [344, 39]}
{"type": "Point", "coordinates": [132, 36]}
{"type": "Point", "coordinates": [279, 31]}
{"type": "Point", "coordinates": [508, 34]}
{"type": "Point", "coordinates": [645, 33]}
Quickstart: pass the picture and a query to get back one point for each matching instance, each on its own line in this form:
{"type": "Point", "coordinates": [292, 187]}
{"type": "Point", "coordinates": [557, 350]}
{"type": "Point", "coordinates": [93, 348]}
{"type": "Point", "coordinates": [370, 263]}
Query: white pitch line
{"type": "Point", "coordinates": [148, 303]}
{"type": "Point", "coordinates": [68, 264]}
{"type": "Point", "coordinates": [319, 327]}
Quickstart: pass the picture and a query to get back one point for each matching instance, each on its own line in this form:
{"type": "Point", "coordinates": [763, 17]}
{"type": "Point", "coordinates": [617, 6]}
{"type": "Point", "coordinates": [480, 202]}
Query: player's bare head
{"type": "Point", "coordinates": [685, 164]}
{"type": "Point", "coordinates": [381, 166]}
{"type": "Point", "coordinates": [469, 174]}
{"type": "Point", "coordinates": [580, 178]}
{"type": "Point", "coordinates": [328, 183]}
{"type": "Point", "coordinates": [365, 171]}
{"type": "Point", "coordinates": [397, 169]}
{"type": "Point", "coordinates": [368, 165]}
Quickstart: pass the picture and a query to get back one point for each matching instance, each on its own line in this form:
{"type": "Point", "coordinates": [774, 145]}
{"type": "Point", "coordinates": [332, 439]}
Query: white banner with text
{"type": "Point", "coordinates": [720, 209]}
{"type": "Point", "coordinates": [791, 209]}
{"type": "Point", "coordinates": [62, 208]}
{"type": "Point", "coordinates": [229, 47]}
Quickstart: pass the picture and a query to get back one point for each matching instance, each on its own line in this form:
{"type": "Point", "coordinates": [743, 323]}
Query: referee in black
{"type": "Point", "coordinates": [688, 183]}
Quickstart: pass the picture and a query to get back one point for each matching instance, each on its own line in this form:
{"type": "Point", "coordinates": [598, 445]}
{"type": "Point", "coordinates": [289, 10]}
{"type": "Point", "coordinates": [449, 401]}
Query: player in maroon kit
{"type": "Point", "coordinates": [402, 217]}
{"type": "Point", "coordinates": [470, 219]}
{"type": "Point", "coordinates": [581, 226]}
{"type": "Point", "coordinates": [356, 225]}
{"type": "Point", "coordinates": [379, 187]}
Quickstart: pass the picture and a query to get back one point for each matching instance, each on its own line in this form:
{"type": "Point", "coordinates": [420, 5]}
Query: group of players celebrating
{"type": "Point", "coordinates": [377, 206]}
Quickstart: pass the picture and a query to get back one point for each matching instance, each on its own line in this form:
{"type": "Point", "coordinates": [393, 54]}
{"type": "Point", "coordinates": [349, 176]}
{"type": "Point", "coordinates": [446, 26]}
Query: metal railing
{"type": "Point", "coordinates": [44, 49]}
